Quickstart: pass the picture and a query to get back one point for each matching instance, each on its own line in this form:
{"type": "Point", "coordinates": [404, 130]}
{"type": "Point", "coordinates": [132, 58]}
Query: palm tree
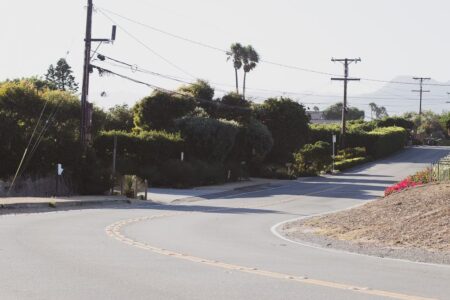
{"type": "Point", "coordinates": [250, 59]}
{"type": "Point", "coordinates": [236, 53]}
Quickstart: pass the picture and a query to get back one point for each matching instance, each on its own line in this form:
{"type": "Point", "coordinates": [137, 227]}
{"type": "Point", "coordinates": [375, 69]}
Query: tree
{"type": "Point", "coordinates": [379, 111]}
{"type": "Point", "coordinates": [119, 117]}
{"type": "Point", "coordinates": [208, 139]}
{"type": "Point", "coordinates": [396, 121]}
{"type": "Point", "coordinates": [160, 110]}
{"type": "Point", "coordinates": [61, 76]}
{"type": "Point", "coordinates": [236, 54]}
{"type": "Point", "coordinates": [334, 112]}
{"type": "Point", "coordinates": [250, 59]}
{"type": "Point", "coordinates": [288, 123]}
{"type": "Point", "coordinates": [232, 106]}
{"type": "Point", "coordinates": [201, 90]}
{"type": "Point", "coordinates": [253, 142]}
{"type": "Point", "coordinates": [313, 158]}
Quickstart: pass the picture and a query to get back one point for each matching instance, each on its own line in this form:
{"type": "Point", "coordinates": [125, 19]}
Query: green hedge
{"type": "Point", "coordinates": [378, 143]}
{"type": "Point", "coordinates": [350, 163]}
{"type": "Point", "coordinates": [312, 158]}
{"type": "Point", "coordinates": [208, 139]}
{"type": "Point", "coordinates": [135, 150]}
{"type": "Point", "coordinates": [385, 141]}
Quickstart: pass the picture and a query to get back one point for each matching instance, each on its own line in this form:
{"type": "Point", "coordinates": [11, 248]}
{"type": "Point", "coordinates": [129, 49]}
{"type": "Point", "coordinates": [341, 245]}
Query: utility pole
{"type": "Point", "coordinates": [86, 107]}
{"type": "Point", "coordinates": [86, 72]}
{"type": "Point", "coordinates": [421, 91]}
{"type": "Point", "coordinates": [346, 62]}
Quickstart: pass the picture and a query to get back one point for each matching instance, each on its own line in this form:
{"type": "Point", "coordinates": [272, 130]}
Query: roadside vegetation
{"type": "Point", "coordinates": [412, 224]}
{"type": "Point", "coordinates": [187, 137]}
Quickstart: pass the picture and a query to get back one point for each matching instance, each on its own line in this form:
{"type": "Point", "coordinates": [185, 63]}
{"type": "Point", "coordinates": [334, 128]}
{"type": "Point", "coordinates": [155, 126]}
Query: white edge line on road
{"type": "Point", "coordinates": [275, 232]}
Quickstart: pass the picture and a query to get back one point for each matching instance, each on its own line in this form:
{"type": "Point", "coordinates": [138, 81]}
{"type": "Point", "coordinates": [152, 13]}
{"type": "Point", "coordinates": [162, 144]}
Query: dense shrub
{"type": "Point", "coordinates": [350, 162]}
{"type": "Point", "coordinates": [378, 143]}
{"type": "Point", "coordinates": [253, 142]}
{"type": "Point", "coordinates": [208, 139]}
{"type": "Point", "coordinates": [275, 171]}
{"type": "Point", "coordinates": [385, 141]}
{"type": "Point", "coordinates": [396, 121]}
{"type": "Point", "coordinates": [313, 158]}
{"type": "Point", "coordinates": [90, 175]}
{"type": "Point", "coordinates": [160, 110]}
{"type": "Point", "coordinates": [135, 151]}
{"type": "Point", "coordinates": [419, 178]}
{"type": "Point", "coordinates": [184, 174]}
{"type": "Point", "coordinates": [288, 123]}
{"type": "Point", "coordinates": [352, 153]}
{"type": "Point", "coordinates": [334, 112]}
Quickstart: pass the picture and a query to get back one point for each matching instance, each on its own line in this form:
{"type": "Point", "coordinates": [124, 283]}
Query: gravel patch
{"type": "Point", "coordinates": [413, 225]}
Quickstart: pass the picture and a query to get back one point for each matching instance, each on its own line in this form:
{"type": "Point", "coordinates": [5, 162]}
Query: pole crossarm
{"type": "Point", "coordinates": [421, 91]}
{"type": "Point", "coordinates": [346, 62]}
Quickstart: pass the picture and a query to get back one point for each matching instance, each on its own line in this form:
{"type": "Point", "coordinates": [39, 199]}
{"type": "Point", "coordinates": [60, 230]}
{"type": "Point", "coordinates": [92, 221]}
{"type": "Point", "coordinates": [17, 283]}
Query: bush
{"type": "Point", "coordinates": [385, 141]}
{"type": "Point", "coordinates": [160, 110]}
{"type": "Point", "coordinates": [253, 142]}
{"type": "Point", "coordinates": [288, 123]}
{"type": "Point", "coordinates": [313, 158]}
{"type": "Point", "coordinates": [352, 152]}
{"type": "Point", "coordinates": [350, 163]}
{"type": "Point", "coordinates": [134, 151]}
{"type": "Point", "coordinates": [185, 174]}
{"type": "Point", "coordinates": [396, 121]}
{"type": "Point", "coordinates": [275, 171]}
{"type": "Point", "coordinates": [89, 176]}
{"type": "Point", "coordinates": [378, 143]}
{"type": "Point", "coordinates": [208, 139]}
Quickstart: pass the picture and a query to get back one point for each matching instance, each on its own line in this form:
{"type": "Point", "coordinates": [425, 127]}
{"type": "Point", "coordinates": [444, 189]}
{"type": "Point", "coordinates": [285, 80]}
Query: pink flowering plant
{"type": "Point", "coordinates": [419, 178]}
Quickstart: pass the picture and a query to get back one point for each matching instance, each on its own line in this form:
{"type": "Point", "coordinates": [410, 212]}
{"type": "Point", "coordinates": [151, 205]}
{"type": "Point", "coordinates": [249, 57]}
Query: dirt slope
{"type": "Point", "coordinates": [417, 218]}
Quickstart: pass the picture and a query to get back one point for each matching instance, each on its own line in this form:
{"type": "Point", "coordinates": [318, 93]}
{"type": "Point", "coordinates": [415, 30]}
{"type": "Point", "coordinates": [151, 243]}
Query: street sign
{"type": "Point", "coordinates": [334, 138]}
{"type": "Point", "coordinates": [60, 169]}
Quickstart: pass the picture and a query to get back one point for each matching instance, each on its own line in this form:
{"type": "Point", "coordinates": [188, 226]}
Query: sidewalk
{"type": "Point", "coordinates": [163, 195]}
{"type": "Point", "coordinates": [155, 195]}
{"type": "Point", "coordinates": [59, 202]}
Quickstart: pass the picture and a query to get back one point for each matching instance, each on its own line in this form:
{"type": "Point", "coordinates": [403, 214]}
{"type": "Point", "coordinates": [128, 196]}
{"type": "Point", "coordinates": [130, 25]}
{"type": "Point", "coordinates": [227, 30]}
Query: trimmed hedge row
{"type": "Point", "coordinates": [136, 150]}
{"type": "Point", "coordinates": [385, 141]}
{"type": "Point", "coordinates": [351, 162]}
{"type": "Point", "coordinates": [379, 142]}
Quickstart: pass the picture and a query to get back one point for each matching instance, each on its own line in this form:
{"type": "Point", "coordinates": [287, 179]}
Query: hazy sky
{"type": "Point", "coordinates": [393, 38]}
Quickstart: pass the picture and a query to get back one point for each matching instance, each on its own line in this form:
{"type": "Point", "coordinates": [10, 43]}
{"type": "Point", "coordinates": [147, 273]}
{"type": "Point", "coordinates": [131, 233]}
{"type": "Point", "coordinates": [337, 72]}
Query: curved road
{"type": "Point", "coordinates": [213, 249]}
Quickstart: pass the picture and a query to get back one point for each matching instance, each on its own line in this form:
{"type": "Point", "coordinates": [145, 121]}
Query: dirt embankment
{"type": "Point", "coordinates": [413, 224]}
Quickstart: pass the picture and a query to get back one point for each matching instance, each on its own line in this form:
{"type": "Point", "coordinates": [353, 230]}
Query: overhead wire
{"type": "Point", "coordinates": [145, 45]}
{"type": "Point", "coordinates": [136, 68]}
{"type": "Point", "coordinates": [27, 147]}
{"type": "Point", "coordinates": [288, 66]}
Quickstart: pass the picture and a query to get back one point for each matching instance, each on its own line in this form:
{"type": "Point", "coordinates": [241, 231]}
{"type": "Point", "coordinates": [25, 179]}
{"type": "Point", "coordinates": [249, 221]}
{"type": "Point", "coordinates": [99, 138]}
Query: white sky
{"type": "Point", "coordinates": [395, 37]}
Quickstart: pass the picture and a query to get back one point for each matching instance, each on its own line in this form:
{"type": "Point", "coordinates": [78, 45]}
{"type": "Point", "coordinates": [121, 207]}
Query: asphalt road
{"type": "Point", "coordinates": [213, 249]}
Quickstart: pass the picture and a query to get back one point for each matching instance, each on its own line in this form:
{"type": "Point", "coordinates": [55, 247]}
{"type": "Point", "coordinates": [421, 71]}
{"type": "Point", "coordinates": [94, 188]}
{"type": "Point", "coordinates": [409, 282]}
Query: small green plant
{"type": "Point", "coordinates": [52, 204]}
{"type": "Point", "coordinates": [128, 182]}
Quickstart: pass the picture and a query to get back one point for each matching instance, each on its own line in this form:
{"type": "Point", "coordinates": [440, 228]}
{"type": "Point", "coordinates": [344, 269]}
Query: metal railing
{"type": "Point", "coordinates": [441, 169]}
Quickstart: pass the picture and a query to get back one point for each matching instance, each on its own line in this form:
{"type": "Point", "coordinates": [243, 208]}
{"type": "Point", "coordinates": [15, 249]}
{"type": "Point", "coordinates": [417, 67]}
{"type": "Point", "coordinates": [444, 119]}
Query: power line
{"type": "Point", "coordinates": [146, 46]}
{"type": "Point", "coordinates": [155, 87]}
{"type": "Point", "coordinates": [136, 68]}
{"type": "Point", "coordinates": [346, 62]}
{"type": "Point", "coordinates": [421, 91]}
{"type": "Point", "coordinates": [162, 31]}
{"type": "Point", "coordinates": [287, 66]}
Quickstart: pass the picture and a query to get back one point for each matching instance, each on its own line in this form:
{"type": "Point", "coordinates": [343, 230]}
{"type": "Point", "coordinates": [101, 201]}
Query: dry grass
{"type": "Point", "coordinates": [415, 218]}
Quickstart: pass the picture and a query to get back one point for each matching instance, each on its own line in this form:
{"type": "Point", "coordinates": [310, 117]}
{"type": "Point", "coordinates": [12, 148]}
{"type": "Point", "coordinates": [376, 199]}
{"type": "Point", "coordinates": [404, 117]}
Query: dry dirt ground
{"type": "Point", "coordinates": [413, 224]}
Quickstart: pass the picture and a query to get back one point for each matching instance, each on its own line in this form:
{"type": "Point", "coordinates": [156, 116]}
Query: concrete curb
{"type": "Point", "coordinates": [56, 204]}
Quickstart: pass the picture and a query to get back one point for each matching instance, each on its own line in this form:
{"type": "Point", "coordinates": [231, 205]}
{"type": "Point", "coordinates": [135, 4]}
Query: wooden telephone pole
{"type": "Point", "coordinates": [86, 107]}
{"type": "Point", "coordinates": [346, 62]}
{"type": "Point", "coordinates": [421, 91]}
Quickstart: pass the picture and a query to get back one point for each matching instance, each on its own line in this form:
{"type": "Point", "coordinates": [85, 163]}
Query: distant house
{"type": "Point", "coordinates": [317, 117]}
